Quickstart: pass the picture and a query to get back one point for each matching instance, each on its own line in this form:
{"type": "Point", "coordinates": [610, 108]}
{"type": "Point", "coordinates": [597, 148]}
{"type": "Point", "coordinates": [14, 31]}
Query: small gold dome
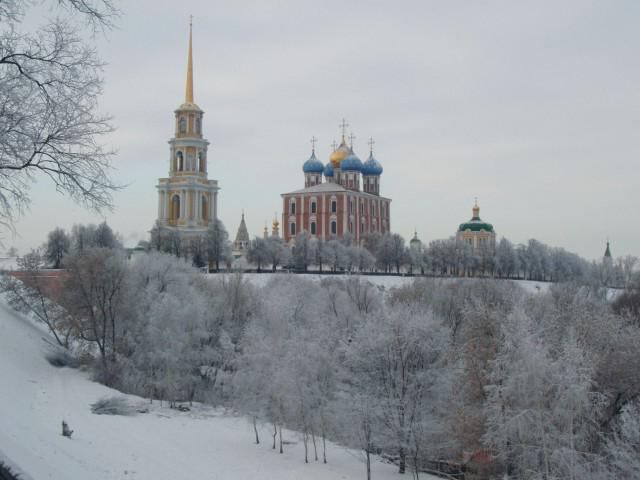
{"type": "Point", "coordinates": [339, 154]}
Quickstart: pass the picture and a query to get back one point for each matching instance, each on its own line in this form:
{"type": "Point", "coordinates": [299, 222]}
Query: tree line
{"type": "Point", "coordinates": [438, 372]}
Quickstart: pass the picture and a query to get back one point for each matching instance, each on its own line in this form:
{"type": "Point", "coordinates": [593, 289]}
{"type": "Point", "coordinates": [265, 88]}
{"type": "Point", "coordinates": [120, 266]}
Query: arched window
{"type": "Point", "coordinates": [313, 206]}
{"type": "Point", "coordinates": [292, 229]}
{"type": "Point", "coordinates": [182, 125]}
{"type": "Point", "coordinates": [334, 206]}
{"type": "Point", "coordinates": [204, 209]}
{"type": "Point", "coordinates": [179, 162]}
{"type": "Point", "coordinates": [202, 161]}
{"type": "Point", "coordinates": [334, 227]}
{"type": "Point", "coordinates": [313, 228]}
{"type": "Point", "coordinates": [292, 207]}
{"type": "Point", "coordinates": [175, 207]}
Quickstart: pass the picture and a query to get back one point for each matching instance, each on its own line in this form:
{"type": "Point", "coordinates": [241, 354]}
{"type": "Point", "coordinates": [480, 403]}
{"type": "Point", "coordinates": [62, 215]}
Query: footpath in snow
{"type": "Point", "coordinates": [163, 444]}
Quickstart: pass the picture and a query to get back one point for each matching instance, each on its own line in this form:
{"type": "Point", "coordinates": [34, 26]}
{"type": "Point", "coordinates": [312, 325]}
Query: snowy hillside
{"type": "Point", "coordinates": [162, 444]}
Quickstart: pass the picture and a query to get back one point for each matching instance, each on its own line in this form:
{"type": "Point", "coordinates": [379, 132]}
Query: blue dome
{"type": "Point", "coordinates": [328, 170]}
{"type": "Point", "coordinates": [352, 163]}
{"type": "Point", "coordinates": [371, 166]}
{"type": "Point", "coordinates": [313, 165]}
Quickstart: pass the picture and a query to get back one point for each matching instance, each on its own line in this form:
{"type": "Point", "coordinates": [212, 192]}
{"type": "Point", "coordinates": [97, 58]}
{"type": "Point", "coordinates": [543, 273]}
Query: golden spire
{"type": "Point", "coordinates": [189, 93]}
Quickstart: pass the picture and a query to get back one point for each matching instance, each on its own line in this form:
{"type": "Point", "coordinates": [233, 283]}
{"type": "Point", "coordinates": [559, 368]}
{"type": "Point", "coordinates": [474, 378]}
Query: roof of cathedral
{"type": "Point", "coordinates": [328, 187]}
{"type": "Point", "coordinates": [340, 153]}
{"type": "Point", "coordinates": [243, 234]}
{"type": "Point", "coordinates": [475, 224]}
{"type": "Point", "coordinates": [328, 170]}
{"type": "Point", "coordinates": [371, 166]}
{"type": "Point", "coordinates": [313, 165]}
{"type": "Point", "coordinates": [351, 163]}
{"type": "Point", "coordinates": [415, 240]}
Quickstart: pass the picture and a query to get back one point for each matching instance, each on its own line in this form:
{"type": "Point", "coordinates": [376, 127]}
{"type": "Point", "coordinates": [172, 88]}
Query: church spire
{"type": "Point", "coordinates": [189, 90]}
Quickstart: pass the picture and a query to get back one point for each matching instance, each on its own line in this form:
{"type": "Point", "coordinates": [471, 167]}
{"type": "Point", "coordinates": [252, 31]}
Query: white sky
{"type": "Point", "coordinates": [533, 107]}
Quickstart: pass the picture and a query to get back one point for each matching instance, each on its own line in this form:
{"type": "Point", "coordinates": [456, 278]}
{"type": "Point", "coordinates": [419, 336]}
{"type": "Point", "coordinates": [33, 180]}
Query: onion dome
{"type": "Point", "coordinates": [476, 224]}
{"type": "Point", "coordinates": [340, 153]}
{"type": "Point", "coordinates": [351, 163]}
{"type": "Point", "coordinates": [371, 166]}
{"type": "Point", "coordinates": [328, 170]}
{"type": "Point", "coordinates": [313, 165]}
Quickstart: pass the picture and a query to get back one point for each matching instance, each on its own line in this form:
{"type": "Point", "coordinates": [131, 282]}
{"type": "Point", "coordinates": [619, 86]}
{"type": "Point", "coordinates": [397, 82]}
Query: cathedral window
{"type": "Point", "coordinates": [334, 227]}
{"type": "Point", "coordinates": [198, 126]}
{"type": "Point", "coordinates": [334, 206]}
{"type": "Point", "coordinates": [182, 125]}
{"type": "Point", "coordinates": [202, 161]}
{"type": "Point", "coordinates": [179, 161]}
{"type": "Point", "coordinates": [292, 229]}
{"type": "Point", "coordinates": [175, 207]}
{"type": "Point", "coordinates": [313, 228]}
{"type": "Point", "coordinates": [292, 207]}
{"type": "Point", "coordinates": [313, 207]}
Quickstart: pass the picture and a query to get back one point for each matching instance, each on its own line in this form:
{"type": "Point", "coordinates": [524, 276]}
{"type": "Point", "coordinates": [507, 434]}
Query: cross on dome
{"type": "Point", "coordinates": [313, 142]}
{"type": "Point", "coordinates": [351, 138]}
{"type": "Point", "coordinates": [371, 144]}
{"type": "Point", "coordinates": [344, 126]}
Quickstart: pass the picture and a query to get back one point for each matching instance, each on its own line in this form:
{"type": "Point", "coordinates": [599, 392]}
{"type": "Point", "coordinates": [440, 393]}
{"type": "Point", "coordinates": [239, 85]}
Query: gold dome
{"type": "Point", "coordinates": [339, 154]}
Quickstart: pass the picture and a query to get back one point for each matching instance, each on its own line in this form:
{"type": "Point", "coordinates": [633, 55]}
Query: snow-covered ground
{"type": "Point", "coordinates": [163, 444]}
{"type": "Point", "coordinates": [387, 281]}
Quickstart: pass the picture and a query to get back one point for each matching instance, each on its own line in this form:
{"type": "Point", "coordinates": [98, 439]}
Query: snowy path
{"type": "Point", "coordinates": [163, 444]}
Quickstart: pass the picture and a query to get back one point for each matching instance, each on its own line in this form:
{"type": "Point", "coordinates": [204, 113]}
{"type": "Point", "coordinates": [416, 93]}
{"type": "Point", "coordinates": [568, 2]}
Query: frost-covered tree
{"type": "Point", "coordinates": [218, 245]}
{"type": "Point", "coordinates": [50, 126]}
{"type": "Point", "coordinates": [397, 359]}
{"type": "Point", "coordinates": [303, 251]}
{"type": "Point", "coordinates": [58, 245]}
{"type": "Point", "coordinates": [258, 253]}
{"type": "Point", "coordinates": [96, 296]}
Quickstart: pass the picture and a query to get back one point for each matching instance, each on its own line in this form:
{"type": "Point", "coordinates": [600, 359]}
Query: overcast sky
{"type": "Point", "coordinates": [533, 107]}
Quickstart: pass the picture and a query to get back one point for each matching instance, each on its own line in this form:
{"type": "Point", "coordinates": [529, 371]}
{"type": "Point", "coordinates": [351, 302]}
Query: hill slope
{"type": "Point", "coordinates": [162, 444]}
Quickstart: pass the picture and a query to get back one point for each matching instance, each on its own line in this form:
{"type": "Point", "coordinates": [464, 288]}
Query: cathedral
{"type": "Point", "coordinates": [339, 198]}
{"type": "Point", "coordinates": [187, 199]}
{"type": "Point", "coordinates": [478, 234]}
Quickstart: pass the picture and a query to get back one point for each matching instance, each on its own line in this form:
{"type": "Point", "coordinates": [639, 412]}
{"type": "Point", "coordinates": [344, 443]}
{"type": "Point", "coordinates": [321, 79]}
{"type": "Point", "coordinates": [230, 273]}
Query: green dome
{"type": "Point", "coordinates": [475, 225]}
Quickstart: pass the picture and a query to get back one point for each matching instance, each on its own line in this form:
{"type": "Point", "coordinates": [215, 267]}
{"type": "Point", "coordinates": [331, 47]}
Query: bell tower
{"type": "Point", "coordinates": [187, 199]}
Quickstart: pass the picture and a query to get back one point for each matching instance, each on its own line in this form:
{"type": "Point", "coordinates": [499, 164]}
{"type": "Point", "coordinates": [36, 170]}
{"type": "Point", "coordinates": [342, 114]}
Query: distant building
{"type": "Point", "coordinates": [347, 201]}
{"type": "Point", "coordinates": [242, 241]}
{"type": "Point", "coordinates": [415, 242]}
{"type": "Point", "coordinates": [607, 254]}
{"type": "Point", "coordinates": [476, 233]}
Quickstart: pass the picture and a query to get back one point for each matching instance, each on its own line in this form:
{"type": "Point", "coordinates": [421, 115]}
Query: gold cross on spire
{"type": "Point", "coordinates": [344, 126]}
{"type": "Point", "coordinates": [352, 137]}
{"type": "Point", "coordinates": [371, 144]}
{"type": "Point", "coordinates": [313, 143]}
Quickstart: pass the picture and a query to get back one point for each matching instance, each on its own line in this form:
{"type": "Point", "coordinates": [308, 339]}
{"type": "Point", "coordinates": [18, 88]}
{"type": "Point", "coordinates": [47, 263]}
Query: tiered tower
{"type": "Point", "coordinates": [187, 199]}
